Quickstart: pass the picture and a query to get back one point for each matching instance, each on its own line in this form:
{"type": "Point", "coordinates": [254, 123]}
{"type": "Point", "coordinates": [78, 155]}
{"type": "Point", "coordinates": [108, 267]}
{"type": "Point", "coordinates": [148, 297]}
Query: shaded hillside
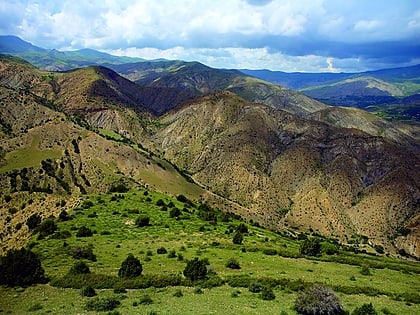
{"type": "Point", "coordinates": [199, 79]}
{"type": "Point", "coordinates": [295, 173]}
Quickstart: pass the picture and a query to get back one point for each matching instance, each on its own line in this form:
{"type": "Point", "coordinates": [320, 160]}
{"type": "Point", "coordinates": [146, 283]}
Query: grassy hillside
{"type": "Point", "coordinates": [265, 258]}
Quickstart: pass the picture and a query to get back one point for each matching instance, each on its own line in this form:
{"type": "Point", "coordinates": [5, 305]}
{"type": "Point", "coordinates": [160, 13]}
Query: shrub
{"type": "Point", "coordinates": [242, 228]}
{"type": "Point", "coordinates": [130, 267]}
{"type": "Point", "coordinates": [102, 304]}
{"type": "Point", "coordinates": [175, 213]}
{"type": "Point", "coordinates": [161, 250]}
{"type": "Point", "coordinates": [365, 309]}
{"type": "Point", "coordinates": [160, 203]}
{"type": "Point", "coordinates": [318, 300]}
{"type": "Point", "coordinates": [181, 198]}
{"type": "Point", "coordinates": [270, 251]}
{"type": "Point", "coordinates": [146, 300]}
{"type": "Point", "coordinates": [87, 291]}
{"type": "Point", "coordinates": [142, 221]}
{"type": "Point", "coordinates": [238, 238]}
{"type": "Point", "coordinates": [84, 231]}
{"type": "Point", "coordinates": [33, 221]}
{"type": "Point", "coordinates": [172, 254]}
{"type": "Point", "coordinates": [311, 247]}
{"type": "Point", "coordinates": [255, 287]}
{"type": "Point", "coordinates": [47, 227]}
{"type": "Point", "coordinates": [232, 263]}
{"type": "Point", "coordinates": [79, 268]}
{"type": "Point", "coordinates": [196, 269]}
{"type": "Point", "coordinates": [79, 252]}
{"type": "Point", "coordinates": [21, 267]}
{"type": "Point", "coordinates": [267, 294]}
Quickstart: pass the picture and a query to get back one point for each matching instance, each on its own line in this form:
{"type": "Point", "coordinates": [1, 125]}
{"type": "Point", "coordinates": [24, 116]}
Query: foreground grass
{"type": "Point", "coordinates": [392, 284]}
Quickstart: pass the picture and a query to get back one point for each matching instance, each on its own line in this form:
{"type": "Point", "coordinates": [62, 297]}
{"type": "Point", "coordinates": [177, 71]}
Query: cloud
{"type": "Point", "coordinates": [383, 30]}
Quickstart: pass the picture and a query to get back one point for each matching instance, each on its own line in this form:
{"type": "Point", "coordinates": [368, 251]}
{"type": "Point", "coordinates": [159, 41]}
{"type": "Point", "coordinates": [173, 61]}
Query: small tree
{"type": "Point", "coordinates": [196, 269]}
{"type": "Point", "coordinates": [84, 231]}
{"type": "Point", "coordinates": [47, 227]}
{"type": "Point", "coordinates": [79, 268]}
{"type": "Point", "coordinates": [311, 247]}
{"type": "Point", "coordinates": [365, 309]}
{"type": "Point", "coordinates": [142, 221]}
{"type": "Point", "coordinates": [232, 263]}
{"type": "Point", "coordinates": [33, 221]}
{"type": "Point", "coordinates": [267, 294]}
{"type": "Point", "coordinates": [130, 267]}
{"type": "Point", "coordinates": [318, 300]}
{"type": "Point", "coordinates": [87, 291]}
{"type": "Point", "coordinates": [21, 267]}
{"type": "Point", "coordinates": [238, 238]}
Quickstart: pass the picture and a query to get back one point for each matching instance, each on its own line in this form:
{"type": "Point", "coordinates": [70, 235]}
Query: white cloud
{"type": "Point", "coordinates": [265, 32]}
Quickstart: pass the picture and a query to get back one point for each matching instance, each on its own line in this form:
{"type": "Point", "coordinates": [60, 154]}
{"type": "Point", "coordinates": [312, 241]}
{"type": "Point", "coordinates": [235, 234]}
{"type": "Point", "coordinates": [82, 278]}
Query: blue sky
{"type": "Point", "coordinates": [286, 35]}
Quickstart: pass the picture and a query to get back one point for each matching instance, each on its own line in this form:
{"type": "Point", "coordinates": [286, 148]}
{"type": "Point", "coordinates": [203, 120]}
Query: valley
{"type": "Point", "coordinates": [172, 161]}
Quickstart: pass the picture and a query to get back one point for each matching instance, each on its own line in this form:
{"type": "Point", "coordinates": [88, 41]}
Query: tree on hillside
{"type": "Point", "coordinates": [21, 267]}
{"type": "Point", "coordinates": [311, 247]}
{"type": "Point", "coordinates": [130, 267]}
{"type": "Point", "coordinates": [237, 238]}
{"type": "Point", "coordinates": [318, 300]}
{"type": "Point", "coordinates": [196, 269]}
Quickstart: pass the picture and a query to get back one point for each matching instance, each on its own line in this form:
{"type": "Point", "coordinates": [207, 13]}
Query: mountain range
{"type": "Point", "coordinates": [274, 156]}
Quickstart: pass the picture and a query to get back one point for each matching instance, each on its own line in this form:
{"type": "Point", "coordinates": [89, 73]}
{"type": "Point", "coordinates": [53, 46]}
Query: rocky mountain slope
{"type": "Point", "coordinates": [90, 130]}
{"type": "Point", "coordinates": [198, 79]}
{"type": "Point", "coordinates": [296, 173]}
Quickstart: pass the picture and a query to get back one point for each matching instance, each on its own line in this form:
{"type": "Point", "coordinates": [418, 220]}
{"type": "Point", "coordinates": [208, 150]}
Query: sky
{"type": "Point", "coordinates": [282, 35]}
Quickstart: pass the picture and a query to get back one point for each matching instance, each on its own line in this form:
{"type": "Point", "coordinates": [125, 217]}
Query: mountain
{"type": "Point", "coordinates": [198, 79]}
{"type": "Point", "coordinates": [387, 92]}
{"type": "Point", "coordinates": [301, 80]}
{"type": "Point", "coordinates": [92, 131]}
{"type": "Point", "coordinates": [57, 60]}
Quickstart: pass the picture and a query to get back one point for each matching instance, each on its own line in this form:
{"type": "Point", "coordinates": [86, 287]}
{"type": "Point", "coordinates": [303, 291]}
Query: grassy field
{"type": "Point", "coordinates": [28, 157]}
{"type": "Point", "coordinates": [392, 286]}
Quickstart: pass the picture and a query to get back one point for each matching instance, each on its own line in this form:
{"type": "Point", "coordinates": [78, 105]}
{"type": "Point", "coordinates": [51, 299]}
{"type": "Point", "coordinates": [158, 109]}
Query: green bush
{"type": "Point", "coordinates": [365, 309]}
{"type": "Point", "coordinates": [33, 221]}
{"type": "Point", "coordinates": [270, 251]}
{"type": "Point", "coordinates": [238, 238]}
{"type": "Point", "coordinates": [84, 231]}
{"type": "Point", "coordinates": [130, 267]}
{"type": "Point", "coordinates": [255, 287]}
{"type": "Point", "coordinates": [79, 268]}
{"type": "Point", "coordinates": [196, 269]}
{"type": "Point", "coordinates": [102, 304]}
{"type": "Point", "coordinates": [21, 267]}
{"type": "Point", "coordinates": [232, 263]}
{"type": "Point", "coordinates": [311, 247]}
{"type": "Point", "coordinates": [318, 300]}
{"type": "Point", "coordinates": [267, 294]}
{"type": "Point", "coordinates": [145, 300]}
{"type": "Point", "coordinates": [175, 213]}
{"type": "Point", "coordinates": [142, 221]}
{"type": "Point", "coordinates": [87, 291]}
{"type": "Point", "coordinates": [161, 251]}
{"type": "Point", "coordinates": [47, 227]}
{"type": "Point", "coordinates": [82, 252]}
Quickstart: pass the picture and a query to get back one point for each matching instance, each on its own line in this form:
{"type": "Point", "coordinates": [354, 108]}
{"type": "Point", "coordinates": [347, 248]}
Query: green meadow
{"type": "Point", "coordinates": [178, 231]}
